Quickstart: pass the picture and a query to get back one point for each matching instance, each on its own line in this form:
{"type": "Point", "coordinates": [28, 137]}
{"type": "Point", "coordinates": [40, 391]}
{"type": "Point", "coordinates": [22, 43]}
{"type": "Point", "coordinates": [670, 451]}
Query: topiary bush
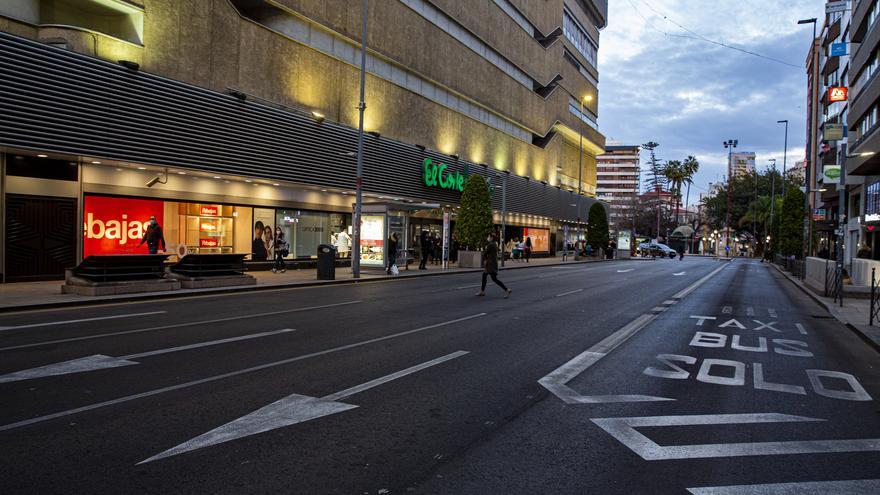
{"type": "Point", "coordinates": [475, 217]}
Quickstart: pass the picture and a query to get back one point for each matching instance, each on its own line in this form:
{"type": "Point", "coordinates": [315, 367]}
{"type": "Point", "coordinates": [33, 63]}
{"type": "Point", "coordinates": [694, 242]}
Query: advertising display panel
{"type": "Point", "coordinates": [117, 225]}
{"type": "Point", "coordinates": [373, 240]}
{"type": "Point", "coordinates": [540, 239]}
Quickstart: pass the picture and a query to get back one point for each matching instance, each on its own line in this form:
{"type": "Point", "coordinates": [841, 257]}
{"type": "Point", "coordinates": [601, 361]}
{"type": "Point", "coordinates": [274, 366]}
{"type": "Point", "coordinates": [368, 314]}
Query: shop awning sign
{"type": "Point", "coordinates": [438, 175]}
{"type": "Point", "coordinates": [837, 93]}
{"type": "Point", "coordinates": [833, 132]}
{"type": "Point", "coordinates": [831, 174]}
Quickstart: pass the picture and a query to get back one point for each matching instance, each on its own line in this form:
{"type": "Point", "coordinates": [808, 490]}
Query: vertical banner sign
{"type": "Point", "coordinates": [445, 240]}
{"type": "Point", "coordinates": [565, 239]}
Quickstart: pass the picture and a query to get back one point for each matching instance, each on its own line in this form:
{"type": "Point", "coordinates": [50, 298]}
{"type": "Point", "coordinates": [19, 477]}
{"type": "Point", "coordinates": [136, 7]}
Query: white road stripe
{"type": "Point", "coordinates": [772, 313]}
{"type": "Point", "coordinates": [849, 487]}
{"type": "Point", "coordinates": [206, 344]}
{"type": "Point", "coordinates": [176, 325]}
{"type": "Point", "coordinates": [669, 302]}
{"type": "Point", "coordinates": [473, 286]}
{"type": "Point", "coordinates": [569, 292]}
{"type": "Point", "coordinates": [150, 393]}
{"type": "Point", "coordinates": [67, 322]}
{"type": "Point", "coordinates": [801, 328]}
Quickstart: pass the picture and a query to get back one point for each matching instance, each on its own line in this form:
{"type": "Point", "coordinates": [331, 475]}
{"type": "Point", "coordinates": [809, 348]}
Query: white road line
{"type": "Point", "coordinates": [849, 487]}
{"type": "Point", "coordinates": [772, 313]}
{"type": "Point", "coordinates": [801, 328]}
{"type": "Point", "coordinates": [289, 411]}
{"type": "Point", "coordinates": [669, 302]}
{"type": "Point", "coordinates": [750, 311]}
{"type": "Point", "coordinates": [473, 286]}
{"type": "Point", "coordinates": [557, 380]}
{"type": "Point", "coordinates": [569, 292]}
{"type": "Point", "coordinates": [100, 361]}
{"type": "Point", "coordinates": [626, 271]}
{"type": "Point", "coordinates": [176, 325]}
{"type": "Point", "coordinates": [150, 393]}
{"type": "Point", "coordinates": [81, 320]}
{"type": "Point", "coordinates": [727, 310]}
{"type": "Point", "coordinates": [624, 430]}
{"type": "Point", "coordinates": [658, 309]}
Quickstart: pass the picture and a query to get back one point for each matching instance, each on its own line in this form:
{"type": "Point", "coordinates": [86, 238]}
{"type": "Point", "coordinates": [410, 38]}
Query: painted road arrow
{"type": "Point", "coordinates": [100, 361]}
{"type": "Point", "coordinates": [289, 411]}
{"type": "Point", "coordinates": [624, 430]}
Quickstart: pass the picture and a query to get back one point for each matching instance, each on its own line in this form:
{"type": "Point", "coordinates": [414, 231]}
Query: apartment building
{"type": "Point", "coordinates": [618, 174]}
{"type": "Point", "coordinates": [742, 163]}
{"type": "Point", "coordinates": [222, 116]}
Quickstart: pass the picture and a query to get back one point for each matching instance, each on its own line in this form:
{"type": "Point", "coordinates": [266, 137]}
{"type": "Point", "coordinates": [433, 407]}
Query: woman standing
{"type": "Point", "coordinates": [490, 267]}
{"type": "Point", "coordinates": [528, 248]}
{"type": "Point", "coordinates": [281, 250]}
{"type": "Point", "coordinates": [393, 242]}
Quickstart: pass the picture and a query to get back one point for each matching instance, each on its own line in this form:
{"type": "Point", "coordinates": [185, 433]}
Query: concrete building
{"type": "Point", "coordinates": [618, 174]}
{"type": "Point", "coordinates": [742, 163]}
{"type": "Point", "coordinates": [247, 112]}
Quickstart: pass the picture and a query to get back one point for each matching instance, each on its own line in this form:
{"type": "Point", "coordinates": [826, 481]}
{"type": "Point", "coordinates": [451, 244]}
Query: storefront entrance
{"type": "Point", "coordinates": [40, 237]}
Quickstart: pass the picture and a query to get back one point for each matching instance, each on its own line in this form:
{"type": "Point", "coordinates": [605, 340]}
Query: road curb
{"type": "Point", "coordinates": [262, 288]}
{"type": "Point", "coordinates": [862, 335]}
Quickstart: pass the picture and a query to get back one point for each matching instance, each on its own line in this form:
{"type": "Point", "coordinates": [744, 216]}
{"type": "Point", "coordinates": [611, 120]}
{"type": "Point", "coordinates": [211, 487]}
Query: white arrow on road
{"type": "Point", "coordinates": [289, 411]}
{"type": "Point", "coordinates": [678, 274]}
{"type": "Point", "coordinates": [100, 361]}
{"type": "Point", "coordinates": [627, 270]}
{"type": "Point", "coordinates": [624, 430]}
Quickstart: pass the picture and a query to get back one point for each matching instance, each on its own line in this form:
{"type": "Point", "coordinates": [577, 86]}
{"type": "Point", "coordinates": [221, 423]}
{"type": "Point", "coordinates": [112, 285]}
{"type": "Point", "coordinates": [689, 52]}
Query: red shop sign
{"type": "Point", "coordinates": [208, 242]}
{"type": "Point", "coordinates": [207, 227]}
{"type": "Point", "coordinates": [117, 225]}
{"type": "Point", "coordinates": [209, 210]}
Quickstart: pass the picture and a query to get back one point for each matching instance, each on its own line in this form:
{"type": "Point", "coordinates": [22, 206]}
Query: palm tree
{"type": "Point", "coordinates": [759, 212]}
{"type": "Point", "coordinates": [675, 174]}
{"type": "Point", "coordinates": [690, 167]}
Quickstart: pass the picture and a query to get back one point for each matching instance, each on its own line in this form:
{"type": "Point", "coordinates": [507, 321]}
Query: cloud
{"type": "Point", "coordinates": [690, 95]}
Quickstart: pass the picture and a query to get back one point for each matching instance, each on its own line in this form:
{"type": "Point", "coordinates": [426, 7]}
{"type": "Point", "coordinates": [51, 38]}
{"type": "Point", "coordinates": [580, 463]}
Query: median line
{"type": "Point", "coordinates": [150, 393]}
{"type": "Point", "coordinates": [569, 292]}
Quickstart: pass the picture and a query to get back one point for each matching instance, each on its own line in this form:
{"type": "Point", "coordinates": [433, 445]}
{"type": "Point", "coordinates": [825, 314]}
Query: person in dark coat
{"type": "Point", "coordinates": [528, 248]}
{"type": "Point", "coordinates": [453, 252]}
{"type": "Point", "coordinates": [393, 242]}
{"type": "Point", "coordinates": [153, 237]}
{"type": "Point", "coordinates": [490, 267]}
{"type": "Point", "coordinates": [438, 250]}
{"type": "Point", "coordinates": [425, 245]}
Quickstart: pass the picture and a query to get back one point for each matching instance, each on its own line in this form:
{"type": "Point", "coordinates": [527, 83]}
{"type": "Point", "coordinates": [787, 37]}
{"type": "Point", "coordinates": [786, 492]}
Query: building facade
{"type": "Point", "coordinates": [222, 116]}
{"type": "Point", "coordinates": [618, 174]}
{"type": "Point", "coordinates": [742, 163]}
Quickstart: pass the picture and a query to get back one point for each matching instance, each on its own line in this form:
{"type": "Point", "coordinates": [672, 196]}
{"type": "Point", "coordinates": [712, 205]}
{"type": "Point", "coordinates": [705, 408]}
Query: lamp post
{"type": "Point", "coordinates": [784, 153]}
{"type": "Point", "coordinates": [586, 98]}
{"type": "Point", "coordinates": [503, 188]}
{"type": "Point", "coordinates": [772, 198]}
{"type": "Point", "coordinates": [730, 144]}
{"type": "Point", "coordinates": [813, 103]}
{"type": "Point", "coordinates": [356, 221]}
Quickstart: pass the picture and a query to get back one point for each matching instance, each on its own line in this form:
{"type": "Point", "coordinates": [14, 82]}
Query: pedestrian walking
{"type": "Point", "coordinates": [425, 247]}
{"type": "Point", "coordinates": [391, 265]}
{"type": "Point", "coordinates": [153, 237]}
{"type": "Point", "coordinates": [680, 252]}
{"type": "Point", "coordinates": [528, 248]}
{"type": "Point", "coordinates": [490, 267]}
{"type": "Point", "coordinates": [281, 250]}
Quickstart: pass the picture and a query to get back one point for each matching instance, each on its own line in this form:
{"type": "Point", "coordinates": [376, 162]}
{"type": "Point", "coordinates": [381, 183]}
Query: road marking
{"type": "Point", "coordinates": [150, 393]}
{"type": "Point", "coordinates": [569, 292]}
{"type": "Point", "coordinates": [289, 411]}
{"type": "Point", "coordinates": [750, 311]}
{"type": "Point", "coordinates": [626, 271]}
{"type": "Point", "coordinates": [801, 328]}
{"type": "Point", "coordinates": [100, 361]}
{"type": "Point", "coordinates": [474, 286]}
{"type": "Point", "coordinates": [624, 430]}
{"type": "Point", "coordinates": [727, 310]}
{"type": "Point", "coordinates": [556, 381]}
{"type": "Point", "coordinates": [701, 319]}
{"type": "Point", "coordinates": [850, 487]}
{"type": "Point", "coordinates": [177, 325]}
{"type": "Point", "coordinates": [768, 326]}
{"type": "Point", "coordinates": [81, 320]}
{"type": "Point", "coordinates": [678, 274]}
{"type": "Point", "coordinates": [772, 313]}
{"type": "Point", "coordinates": [658, 309]}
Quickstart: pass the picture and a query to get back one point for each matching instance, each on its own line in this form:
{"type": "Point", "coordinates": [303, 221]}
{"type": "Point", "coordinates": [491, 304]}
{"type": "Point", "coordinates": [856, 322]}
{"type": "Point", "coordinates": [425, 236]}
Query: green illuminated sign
{"type": "Point", "coordinates": [436, 175]}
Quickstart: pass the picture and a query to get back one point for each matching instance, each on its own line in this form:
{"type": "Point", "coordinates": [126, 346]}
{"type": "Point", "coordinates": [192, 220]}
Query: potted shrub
{"type": "Point", "coordinates": [474, 221]}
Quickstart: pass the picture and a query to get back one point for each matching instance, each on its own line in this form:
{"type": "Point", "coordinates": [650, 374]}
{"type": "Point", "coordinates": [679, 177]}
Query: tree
{"type": "Point", "coordinates": [690, 166]}
{"type": "Point", "coordinates": [656, 180]}
{"type": "Point", "coordinates": [475, 217]}
{"type": "Point", "coordinates": [675, 175]}
{"type": "Point", "coordinates": [597, 235]}
{"type": "Point", "coordinates": [791, 222]}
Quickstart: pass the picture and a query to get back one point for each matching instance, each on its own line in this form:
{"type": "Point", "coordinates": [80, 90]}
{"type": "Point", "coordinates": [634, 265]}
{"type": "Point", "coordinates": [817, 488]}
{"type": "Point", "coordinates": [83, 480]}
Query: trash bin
{"type": "Point", "coordinates": [326, 262]}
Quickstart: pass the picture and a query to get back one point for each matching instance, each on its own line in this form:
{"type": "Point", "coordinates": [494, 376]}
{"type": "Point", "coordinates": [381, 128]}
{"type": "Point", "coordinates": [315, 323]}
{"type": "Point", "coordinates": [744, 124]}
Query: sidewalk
{"type": "Point", "coordinates": [854, 313]}
{"type": "Point", "coordinates": [33, 295]}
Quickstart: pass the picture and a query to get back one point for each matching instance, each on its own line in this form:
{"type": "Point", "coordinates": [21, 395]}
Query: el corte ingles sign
{"type": "Point", "coordinates": [437, 175]}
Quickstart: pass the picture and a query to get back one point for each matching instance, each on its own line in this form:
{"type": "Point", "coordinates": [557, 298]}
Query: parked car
{"type": "Point", "coordinates": [656, 249]}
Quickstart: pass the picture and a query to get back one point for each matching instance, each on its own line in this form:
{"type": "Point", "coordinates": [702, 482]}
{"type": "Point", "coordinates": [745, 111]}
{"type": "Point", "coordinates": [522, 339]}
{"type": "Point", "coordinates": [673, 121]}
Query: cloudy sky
{"type": "Point", "coordinates": [690, 95]}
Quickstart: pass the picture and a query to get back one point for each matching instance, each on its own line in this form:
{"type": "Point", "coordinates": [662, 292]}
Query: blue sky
{"type": "Point", "coordinates": [690, 95]}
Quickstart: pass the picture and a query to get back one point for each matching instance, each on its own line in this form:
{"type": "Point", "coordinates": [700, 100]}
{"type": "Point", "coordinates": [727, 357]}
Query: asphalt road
{"type": "Point", "coordinates": [588, 379]}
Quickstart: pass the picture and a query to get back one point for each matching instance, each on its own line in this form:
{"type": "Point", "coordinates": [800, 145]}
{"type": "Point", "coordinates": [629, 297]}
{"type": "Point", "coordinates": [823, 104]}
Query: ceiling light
{"type": "Point", "coordinates": [323, 190]}
{"type": "Point", "coordinates": [142, 168]}
{"type": "Point", "coordinates": [275, 184]}
{"type": "Point", "coordinates": [96, 162]}
{"type": "Point", "coordinates": [42, 156]}
{"type": "Point", "coordinates": [216, 176]}
{"type": "Point", "coordinates": [119, 170]}
{"type": "Point", "coordinates": [248, 180]}
{"type": "Point", "coordinates": [867, 153]}
{"type": "Point", "coordinates": [181, 173]}
{"type": "Point", "coordinates": [318, 116]}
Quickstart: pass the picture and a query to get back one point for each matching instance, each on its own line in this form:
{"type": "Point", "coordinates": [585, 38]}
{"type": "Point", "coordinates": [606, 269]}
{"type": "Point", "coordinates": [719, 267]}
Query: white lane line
{"type": "Point", "coordinates": [658, 309]}
{"type": "Point", "coordinates": [289, 411]}
{"type": "Point", "coordinates": [678, 274]}
{"type": "Point", "coordinates": [624, 430]}
{"type": "Point", "coordinates": [669, 302]}
{"type": "Point", "coordinates": [626, 271]}
{"type": "Point", "coordinates": [750, 311]}
{"type": "Point", "coordinates": [557, 380]}
{"type": "Point", "coordinates": [569, 292]}
{"type": "Point", "coordinates": [801, 328]}
{"type": "Point", "coordinates": [150, 393]}
{"type": "Point", "coordinates": [472, 286]}
{"type": "Point", "coordinates": [772, 313]}
{"type": "Point", "coordinates": [177, 325]}
{"type": "Point", "coordinates": [81, 320]}
{"type": "Point", "coordinates": [100, 361]}
{"type": "Point", "coordinates": [849, 487]}
{"type": "Point", "coordinates": [727, 310]}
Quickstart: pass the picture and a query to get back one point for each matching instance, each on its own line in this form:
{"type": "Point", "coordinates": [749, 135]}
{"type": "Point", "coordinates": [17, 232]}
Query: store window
{"type": "Point", "coordinates": [540, 239]}
{"type": "Point", "coordinates": [306, 230]}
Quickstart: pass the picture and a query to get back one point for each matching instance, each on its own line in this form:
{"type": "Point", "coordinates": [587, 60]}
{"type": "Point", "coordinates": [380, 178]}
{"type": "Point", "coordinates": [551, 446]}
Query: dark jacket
{"type": "Point", "coordinates": [392, 250]}
{"type": "Point", "coordinates": [259, 250]}
{"type": "Point", "coordinates": [490, 261]}
{"type": "Point", "coordinates": [153, 236]}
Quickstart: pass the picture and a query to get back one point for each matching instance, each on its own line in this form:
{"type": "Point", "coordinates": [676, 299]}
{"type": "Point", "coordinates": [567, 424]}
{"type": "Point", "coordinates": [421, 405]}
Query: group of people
{"type": "Point", "coordinates": [583, 248]}
{"type": "Point", "coordinates": [520, 249]}
{"type": "Point", "coordinates": [431, 249]}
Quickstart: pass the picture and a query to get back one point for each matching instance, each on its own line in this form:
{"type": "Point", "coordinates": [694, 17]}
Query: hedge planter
{"type": "Point", "coordinates": [470, 259]}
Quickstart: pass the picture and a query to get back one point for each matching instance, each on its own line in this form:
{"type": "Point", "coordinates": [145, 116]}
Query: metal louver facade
{"type": "Point", "coordinates": [58, 101]}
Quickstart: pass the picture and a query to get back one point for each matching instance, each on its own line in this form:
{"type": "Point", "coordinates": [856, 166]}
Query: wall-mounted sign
{"type": "Point", "coordinates": [208, 243]}
{"type": "Point", "coordinates": [833, 132]}
{"type": "Point", "coordinates": [837, 93]}
{"type": "Point", "coordinates": [839, 6]}
{"type": "Point", "coordinates": [831, 174]}
{"type": "Point", "coordinates": [838, 49]}
{"type": "Point", "coordinates": [818, 214]}
{"type": "Point", "coordinates": [437, 175]}
{"type": "Point", "coordinates": [208, 227]}
{"type": "Point", "coordinates": [117, 225]}
{"type": "Point", "coordinates": [209, 210]}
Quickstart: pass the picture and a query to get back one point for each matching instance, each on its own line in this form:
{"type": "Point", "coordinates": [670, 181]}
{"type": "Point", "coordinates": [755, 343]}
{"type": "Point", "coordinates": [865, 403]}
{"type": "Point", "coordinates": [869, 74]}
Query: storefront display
{"type": "Point", "coordinates": [540, 239]}
{"type": "Point", "coordinates": [209, 227]}
{"type": "Point", "coordinates": [116, 225]}
{"type": "Point", "coordinates": [262, 241]}
{"type": "Point", "coordinates": [373, 240]}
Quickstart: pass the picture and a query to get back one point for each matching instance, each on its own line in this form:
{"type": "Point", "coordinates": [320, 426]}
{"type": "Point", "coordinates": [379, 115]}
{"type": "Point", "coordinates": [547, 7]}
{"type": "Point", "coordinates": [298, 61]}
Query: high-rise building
{"type": "Point", "coordinates": [742, 163]}
{"type": "Point", "coordinates": [618, 173]}
{"type": "Point", "coordinates": [247, 113]}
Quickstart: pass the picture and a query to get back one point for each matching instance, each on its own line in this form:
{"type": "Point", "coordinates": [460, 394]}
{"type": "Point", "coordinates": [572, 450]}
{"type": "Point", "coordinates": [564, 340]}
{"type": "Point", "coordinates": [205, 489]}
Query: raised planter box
{"type": "Point", "coordinates": [470, 259]}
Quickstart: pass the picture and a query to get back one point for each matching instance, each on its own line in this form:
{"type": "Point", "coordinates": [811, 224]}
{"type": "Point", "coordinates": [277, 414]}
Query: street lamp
{"type": "Point", "coordinates": [784, 153]}
{"type": "Point", "coordinates": [772, 194]}
{"type": "Point", "coordinates": [356, 221]}
{"type": "Point", "coordinates": [730, 144]}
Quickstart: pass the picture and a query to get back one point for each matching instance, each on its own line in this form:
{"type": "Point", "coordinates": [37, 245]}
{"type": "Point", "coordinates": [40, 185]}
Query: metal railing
{"type": "Point", "coordinates": [834, 283]}
{"type": "Point", "coordinates": [796, 267]}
